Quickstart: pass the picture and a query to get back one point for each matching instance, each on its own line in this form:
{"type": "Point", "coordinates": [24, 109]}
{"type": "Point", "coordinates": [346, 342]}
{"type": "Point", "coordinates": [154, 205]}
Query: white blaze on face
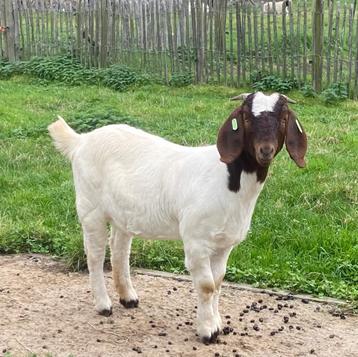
{"type": "Point", "coordinates": [264, 103]}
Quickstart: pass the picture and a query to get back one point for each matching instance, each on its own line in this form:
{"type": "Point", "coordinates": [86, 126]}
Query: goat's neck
{"type": "Point", "coordinates": [245, 162]}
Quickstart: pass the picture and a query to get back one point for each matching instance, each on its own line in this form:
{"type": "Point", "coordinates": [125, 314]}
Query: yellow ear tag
{"type": "Point", "coordinates": [234, 124]}
{"type": "Point", "coordinates": [299, 126]}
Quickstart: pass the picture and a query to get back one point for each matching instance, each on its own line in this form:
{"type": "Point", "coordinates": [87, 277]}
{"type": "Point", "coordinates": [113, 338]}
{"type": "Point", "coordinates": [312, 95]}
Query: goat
{"type": "Point", "coordinates": [145, 185]}
{"type": "Point", "coordinates": [268, 7]}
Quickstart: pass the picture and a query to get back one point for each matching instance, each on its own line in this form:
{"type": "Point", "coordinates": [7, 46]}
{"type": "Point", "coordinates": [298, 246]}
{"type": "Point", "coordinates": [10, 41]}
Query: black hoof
{"type": "Point", "coordinates": [105, 312]}
{"type": "Point", "coordinates": [211, 339]}
{"type": "Point", "coordinates": [129, 304]}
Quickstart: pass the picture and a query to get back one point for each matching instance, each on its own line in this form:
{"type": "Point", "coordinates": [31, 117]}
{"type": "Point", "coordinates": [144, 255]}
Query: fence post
{"type": "Point", "coordinates": [317, 45]}
{"type": "Point", "coordinates": [9, 23]}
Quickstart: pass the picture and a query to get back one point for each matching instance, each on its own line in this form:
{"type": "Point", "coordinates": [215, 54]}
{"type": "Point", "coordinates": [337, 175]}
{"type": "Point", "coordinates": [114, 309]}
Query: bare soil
{"type": "Point", "coordinates": [46, 309]}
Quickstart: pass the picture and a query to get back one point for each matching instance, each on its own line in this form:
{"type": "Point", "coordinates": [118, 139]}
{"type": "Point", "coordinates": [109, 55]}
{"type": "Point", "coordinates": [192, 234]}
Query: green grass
{"type": "Point", "coordinates": [304, 230]}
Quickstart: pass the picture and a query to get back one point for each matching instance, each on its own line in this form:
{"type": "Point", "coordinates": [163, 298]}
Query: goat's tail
{"type": "Point", "coordinates": [65, 138]}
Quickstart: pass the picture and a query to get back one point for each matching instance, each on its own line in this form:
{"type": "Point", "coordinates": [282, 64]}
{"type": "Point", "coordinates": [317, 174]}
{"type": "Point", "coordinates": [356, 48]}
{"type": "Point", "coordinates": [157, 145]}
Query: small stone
{"type": "Point", "coordinates": [255, 327]}
{"type": "Point", "coordinates": [169, 292]}
{"type": "Point", "coordinates": [331, 336]}
{"type": "Point", "coordinates": [305, 301]}
{"type": "Point", "coordinates": [98, 340]}
{"type": "Point", "coordinates": [342, 316]}
{"type": "Point", "coordinates": [261, 319]}
{"type": "Point", "coordinates": [312, 351]}
{"type": "Point", "coordinates": [217, 354]}
{"type": "Point", "coordinates": [285, 319]}
{"type": "Point", "coordinates": [162, 334]}
{"type": "Point", "coordinates": [273, 333]}
{"type": "Point", "coordinates": [260, 301]}
{"type": "Point", "coordinates": [298, 328]}
{"type": "Point", "coordinates": [194, 348]}
{"type": "Point", "coordinates": [175, 289]}
{"type": "Point", "coordinates": [186, 339]}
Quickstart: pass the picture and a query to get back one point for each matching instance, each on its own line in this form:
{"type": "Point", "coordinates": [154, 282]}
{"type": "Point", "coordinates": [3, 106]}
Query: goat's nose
{"type": "Point", "coordinates": [266, 152]}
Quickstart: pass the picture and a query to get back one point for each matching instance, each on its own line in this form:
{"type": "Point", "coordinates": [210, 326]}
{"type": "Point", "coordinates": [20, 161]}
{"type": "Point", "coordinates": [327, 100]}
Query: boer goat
{"type": "Point", "coordinates": [145, 185]}
{"type": "Point", "coordinates": [279, 7]}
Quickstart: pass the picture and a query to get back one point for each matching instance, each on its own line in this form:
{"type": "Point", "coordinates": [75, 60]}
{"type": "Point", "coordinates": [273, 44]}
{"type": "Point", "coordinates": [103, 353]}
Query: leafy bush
{"type": "Point", "coordinates": [9, 69]}
{"type": "Point", "coordinates": [85, 122]}
{"type": "Point", "coordinates": [63, 69]}
{"type": "Point", "coordinates": [262, 81]}
{"type": "Point", "coordinates": [181, 79]}
{"type": "Point", "coordinates": [119, 77]}
{"type": "Point", "coordinates": [308, 91]}
{"type": "Point", "coordinates": [275, 83]}
{"type": "Point", "coordinates": [70, 71]}
{"type": "Point", "coordinates": [335, 93]}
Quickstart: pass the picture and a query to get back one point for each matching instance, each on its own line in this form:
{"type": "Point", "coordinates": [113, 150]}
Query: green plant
{"type": "Point", "coordinates": [181, 79]}
{"type": "Point", "coordinates": [275, 83]}
{"type": "Point", "coordinates": [9, 69]}
{"type": "Point", "coordinates": [308, 91]}
{"type": "Point", "coordinates": [336, 92]}
{"type": "Point", "coordinates": [63, 69]}
{"type": "Point", "coordinates": [119, 77]}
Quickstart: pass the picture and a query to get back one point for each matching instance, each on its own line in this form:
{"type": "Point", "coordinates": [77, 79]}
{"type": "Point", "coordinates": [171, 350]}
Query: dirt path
{"type": "Point", "coordinates": [44, 309]}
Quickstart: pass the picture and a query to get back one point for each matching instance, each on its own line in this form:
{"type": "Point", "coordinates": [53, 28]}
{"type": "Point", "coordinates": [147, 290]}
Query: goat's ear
{"type": "Point", "coordinates": [231, 137]}
{"type": "Point", "coordinates": [296, 139]}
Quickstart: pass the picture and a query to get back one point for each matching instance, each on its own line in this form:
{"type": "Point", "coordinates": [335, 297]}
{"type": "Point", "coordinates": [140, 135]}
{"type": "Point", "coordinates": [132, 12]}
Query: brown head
{"type": "Point", "coordinates": [260, 127]}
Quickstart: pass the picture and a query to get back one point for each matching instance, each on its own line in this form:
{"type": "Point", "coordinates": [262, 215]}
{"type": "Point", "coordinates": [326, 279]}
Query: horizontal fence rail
{"type": "Point", "coordinates": [215, 41]}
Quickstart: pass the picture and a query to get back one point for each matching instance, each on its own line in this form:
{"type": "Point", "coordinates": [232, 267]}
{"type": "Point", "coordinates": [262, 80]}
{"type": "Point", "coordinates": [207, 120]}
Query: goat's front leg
{"type": "Point", "coordinates": [199, 267]}
{"type": "Point", "coordinates": [218, 263]}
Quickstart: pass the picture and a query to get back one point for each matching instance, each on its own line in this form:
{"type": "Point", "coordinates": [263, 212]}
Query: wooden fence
{"type": "Point", "coordinates": [217, 41]}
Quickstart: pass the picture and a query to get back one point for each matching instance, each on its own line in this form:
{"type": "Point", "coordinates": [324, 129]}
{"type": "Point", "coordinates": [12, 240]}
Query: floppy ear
{"type": "Point", "coordinates": [231, 137]}
{"type": "Point", "coordinates": [296, 139]}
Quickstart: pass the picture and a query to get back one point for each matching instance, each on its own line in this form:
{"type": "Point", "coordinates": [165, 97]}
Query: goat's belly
{"type": "Point", "coordinates": [145, 228]}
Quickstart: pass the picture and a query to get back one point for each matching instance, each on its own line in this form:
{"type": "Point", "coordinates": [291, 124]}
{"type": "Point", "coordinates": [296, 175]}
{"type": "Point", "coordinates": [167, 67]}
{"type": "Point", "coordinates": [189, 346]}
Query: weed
{"type": "Point", "coordinates": [336, 92]}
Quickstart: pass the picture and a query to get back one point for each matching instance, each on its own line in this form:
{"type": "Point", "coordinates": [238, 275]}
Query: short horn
{"type": "Point", "coordinates": [241, 96]}
{"type": "Point", "coordinates": [289, 99]}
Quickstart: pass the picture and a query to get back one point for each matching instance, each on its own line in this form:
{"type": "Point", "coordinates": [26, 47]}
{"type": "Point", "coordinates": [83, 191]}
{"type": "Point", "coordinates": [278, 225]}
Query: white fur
{"type": "Point", "coordinates": [144, 185]}
{"type": "Point", "coordinates": [279, 5]}
{"type": "Point", "coordinates": [264, 103]}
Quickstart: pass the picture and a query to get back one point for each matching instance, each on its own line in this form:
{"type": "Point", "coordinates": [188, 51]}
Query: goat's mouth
{"type": "Point", "coordinates": [265, 162]}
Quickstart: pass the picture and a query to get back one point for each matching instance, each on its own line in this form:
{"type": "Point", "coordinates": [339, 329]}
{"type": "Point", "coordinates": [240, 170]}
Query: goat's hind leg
{"type": "Point", "coordinates": [120, 244]}
{"type": "Point", "coordinates": [95, 240]}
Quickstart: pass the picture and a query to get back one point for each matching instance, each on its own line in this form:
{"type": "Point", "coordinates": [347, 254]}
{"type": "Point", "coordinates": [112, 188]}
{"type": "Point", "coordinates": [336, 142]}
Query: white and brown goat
{"type": "Point", "coordinates": [145, 185]}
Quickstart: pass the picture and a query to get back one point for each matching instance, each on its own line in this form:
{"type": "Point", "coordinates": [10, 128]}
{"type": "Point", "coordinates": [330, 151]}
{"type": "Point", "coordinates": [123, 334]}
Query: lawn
{"type": "Point", "coordinates": [304, 231]}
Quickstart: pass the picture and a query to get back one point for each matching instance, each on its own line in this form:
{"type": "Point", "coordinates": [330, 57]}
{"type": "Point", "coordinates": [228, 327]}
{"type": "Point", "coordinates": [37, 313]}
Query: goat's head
{"type": "Point", "coordinates": [259, 127]}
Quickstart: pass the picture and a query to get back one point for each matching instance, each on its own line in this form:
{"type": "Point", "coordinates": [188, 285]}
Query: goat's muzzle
{"type": "Point", "coordinates": [265, 154]}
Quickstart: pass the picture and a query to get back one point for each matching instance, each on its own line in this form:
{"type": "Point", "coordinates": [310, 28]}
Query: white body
{"type": "Point", "coordinates": [144, 185]}
{"type": "Point", "coordinates": [279, 5]}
